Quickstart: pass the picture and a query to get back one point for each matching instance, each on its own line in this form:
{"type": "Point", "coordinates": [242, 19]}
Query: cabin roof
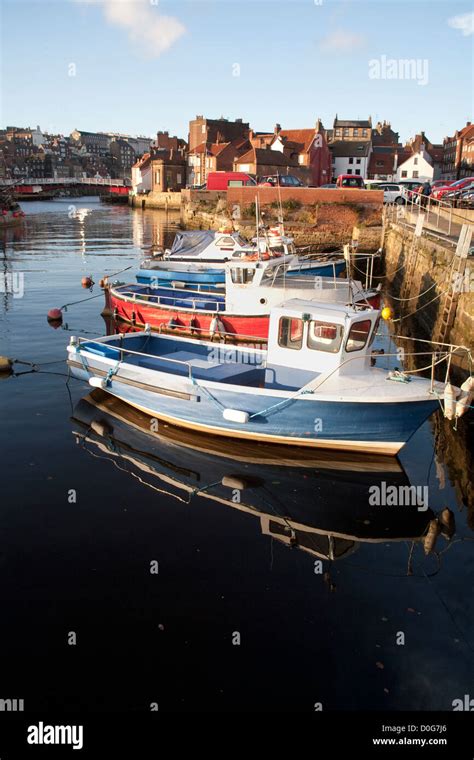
{"type": "Point", "coordinates": [321, 310]}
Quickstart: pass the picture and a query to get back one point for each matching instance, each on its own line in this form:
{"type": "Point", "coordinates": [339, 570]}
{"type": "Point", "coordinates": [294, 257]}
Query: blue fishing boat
{"type": "Point", "coordinates": [198, 257]}
{"type": "Point", "coordinates": [315, 385]}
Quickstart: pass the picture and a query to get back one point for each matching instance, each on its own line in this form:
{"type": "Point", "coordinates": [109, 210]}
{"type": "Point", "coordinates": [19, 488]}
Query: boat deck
{"type": "Point", "coordinates": [164, 296]}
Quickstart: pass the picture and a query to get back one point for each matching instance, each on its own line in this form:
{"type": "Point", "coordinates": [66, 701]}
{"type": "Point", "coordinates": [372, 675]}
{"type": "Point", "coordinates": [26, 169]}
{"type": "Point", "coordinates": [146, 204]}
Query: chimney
{"type": "Point", "coordinates": [468, 123]}
{"type": "Point", "coordinates": [277, 129]}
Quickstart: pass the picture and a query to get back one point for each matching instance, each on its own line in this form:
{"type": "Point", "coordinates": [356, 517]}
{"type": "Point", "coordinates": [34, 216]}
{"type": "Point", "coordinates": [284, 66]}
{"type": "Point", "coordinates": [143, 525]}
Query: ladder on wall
{"type": "Point", "coordinates": [455, 287]}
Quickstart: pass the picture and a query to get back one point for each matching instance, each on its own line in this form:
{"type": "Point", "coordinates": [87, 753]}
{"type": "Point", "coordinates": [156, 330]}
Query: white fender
{"type": "Point", "coordinates": [449, 398]}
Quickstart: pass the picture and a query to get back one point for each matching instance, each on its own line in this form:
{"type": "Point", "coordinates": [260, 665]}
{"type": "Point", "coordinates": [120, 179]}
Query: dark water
{"type": "Point", "coordinates": [286, 556]}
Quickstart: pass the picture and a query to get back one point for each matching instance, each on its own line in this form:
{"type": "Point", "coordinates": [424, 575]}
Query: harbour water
{"type": "Point", "coordinates": [139, 570]}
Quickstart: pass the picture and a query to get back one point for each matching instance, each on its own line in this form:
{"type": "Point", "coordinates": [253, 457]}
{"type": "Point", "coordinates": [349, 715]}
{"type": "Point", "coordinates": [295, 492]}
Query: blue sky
{"type": "Point", "coordinates": [144, 65]}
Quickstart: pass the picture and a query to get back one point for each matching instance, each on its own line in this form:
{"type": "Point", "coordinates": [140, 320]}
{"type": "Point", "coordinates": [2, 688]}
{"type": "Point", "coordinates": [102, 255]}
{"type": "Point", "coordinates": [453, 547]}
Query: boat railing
{"type": "Point", "coordinates": [121, 350]}
{"type": "Point", "coordinates": [436, 358]}
{"type": "Point", "coordinates": [161, 300]}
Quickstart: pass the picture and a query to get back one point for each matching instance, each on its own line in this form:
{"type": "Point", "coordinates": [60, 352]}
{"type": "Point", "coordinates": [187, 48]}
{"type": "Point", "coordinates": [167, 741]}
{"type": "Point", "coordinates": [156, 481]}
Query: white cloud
{"type": "Point", "coordinates": [152, 32]}
{"type": "Point", "coordinates": [464, 22]}
{"type": "Point", "coordinates": [341, 41]}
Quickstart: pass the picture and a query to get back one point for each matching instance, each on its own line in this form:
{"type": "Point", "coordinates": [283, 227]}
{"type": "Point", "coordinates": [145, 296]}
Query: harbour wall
{"type": "Point", "coordinates": [322, 220]}
{"type": "Point", "coordinates": [165, 201]}
{"type": "Point", "coordinates": [425, 292]}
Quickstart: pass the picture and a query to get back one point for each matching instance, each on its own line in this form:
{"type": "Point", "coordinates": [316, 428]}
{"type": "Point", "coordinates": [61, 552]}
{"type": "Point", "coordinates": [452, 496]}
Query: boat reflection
{"type": "Point", "coordinates": [315, 500]}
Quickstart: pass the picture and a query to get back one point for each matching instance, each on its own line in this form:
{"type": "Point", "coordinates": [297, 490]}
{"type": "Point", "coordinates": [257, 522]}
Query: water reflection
{"type": "Point", "coordinates": [316, 501]}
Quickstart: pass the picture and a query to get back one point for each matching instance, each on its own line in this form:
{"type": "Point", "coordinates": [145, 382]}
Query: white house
{"type": "Point", "coordinates": [418, 166]}
{"type": "Point", "coordinates": [350, 157]}
{"type": "Point", "coordinates": [141, 175]}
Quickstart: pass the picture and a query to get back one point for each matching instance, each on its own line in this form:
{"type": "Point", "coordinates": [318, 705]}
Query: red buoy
{"type": "Point", "coordinates": [55, 315]}
{"type": "Point", "coordinates": [87, 282]}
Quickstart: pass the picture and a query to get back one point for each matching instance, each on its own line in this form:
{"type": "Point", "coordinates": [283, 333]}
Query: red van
{"type": "Point", "coordinates": [223, 180]}
{"type": "Point", "coordinates": [350, 181]}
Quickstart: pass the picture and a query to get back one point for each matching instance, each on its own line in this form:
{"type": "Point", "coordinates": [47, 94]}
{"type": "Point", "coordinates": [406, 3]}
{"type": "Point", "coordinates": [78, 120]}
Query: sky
{"type": "Point", "coordinates": [139, 66]}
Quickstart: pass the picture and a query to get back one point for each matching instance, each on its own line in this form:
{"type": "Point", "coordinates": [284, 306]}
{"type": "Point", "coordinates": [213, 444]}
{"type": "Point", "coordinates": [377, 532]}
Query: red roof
{"type": "Point", "coordinates": [266, 157]}
{"type": "Point", "coordinates": [302, 137]}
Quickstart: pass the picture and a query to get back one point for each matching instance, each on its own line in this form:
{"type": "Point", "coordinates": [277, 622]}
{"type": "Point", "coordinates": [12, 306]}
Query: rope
{"type": "Point", "coordinates": [73, 303]}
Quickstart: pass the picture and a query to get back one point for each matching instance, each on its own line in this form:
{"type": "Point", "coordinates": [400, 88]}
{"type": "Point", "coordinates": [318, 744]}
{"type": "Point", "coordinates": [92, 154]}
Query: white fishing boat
{"type": "Point", "coordinates": [316, 385]}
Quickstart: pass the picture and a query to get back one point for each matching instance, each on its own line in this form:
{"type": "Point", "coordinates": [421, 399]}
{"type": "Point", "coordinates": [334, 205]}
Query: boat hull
{"type": "Point", "coordinates": [376, 427]}
{"type": "Point", "coordinates": [187, 321]}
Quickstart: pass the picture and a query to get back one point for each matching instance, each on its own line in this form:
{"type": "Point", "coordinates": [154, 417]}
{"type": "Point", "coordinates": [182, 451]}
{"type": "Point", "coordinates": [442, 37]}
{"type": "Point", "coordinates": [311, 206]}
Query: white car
{"type": "Point", "coordinates": [392, 193]}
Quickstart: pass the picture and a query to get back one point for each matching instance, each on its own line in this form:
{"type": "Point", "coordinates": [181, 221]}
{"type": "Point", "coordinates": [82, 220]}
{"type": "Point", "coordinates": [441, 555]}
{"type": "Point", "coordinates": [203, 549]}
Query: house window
{"type": "Point", "coordinates": [290, 333]}
{"type": "Point", "coordinates": [346, 132]}
{"type": "Point", "coordinates": [357, 171]}
{"type": "Point", "coordinates": [414, 175]}
{"type": "Point", "coordinates": [379, 163]}
{"type": "Point", "coordinates": [349, 171]}
{"type": "Point", "coordinates": [324, 336]}
{"type": "Point", "coordinates": [358, 161]}
{"type": "Point", "coordinates": [351, 160]}
{"type": "Point", "coordinates": [338, 132]}
{"type": "Point", "coordinates": [358, 335]}
{"type": "Point", "coordinates": [157, 177]}
{"type": "Point", "coordinates": [404, 173]}
{"type": "Point", "coordinates": [355, 132]}
{"type": "Point", "coordinates": [415, 161]}
{"type": "Point", "coordinates": [301, 159]}
{"type": "Point", "coordinates": [178, 178]}
{"type": "Point", "coordinates": [364, 133]}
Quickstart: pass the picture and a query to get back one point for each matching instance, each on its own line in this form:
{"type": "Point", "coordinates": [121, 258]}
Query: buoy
{"type": "Point", "coordinates": [55, 315]}
{"type": "Point", "coordinates": [241, 482]}
{"type": "Point", "coordinates": [464, 401]}
{"type": "Point", "coordinates": [193, 325]}
{"type": "Point", "coordinates": [103, 282]}
{"type": "Point", "coordinates": [429, 540]}
{"type": "Point", "coordinates": [387, 313]}
{"type": "Point", "coordinates": [5, 364]}
{"type": "Point", "coordinates": [447, 522]}
{"type": "Point", "coordinates": [216, 326]}
{"type": "Point", "coordinates": [101, 428]}
{"type": "Point", "coordinates": [449, 398]}
{"type": "Point", "coordinates": [87, 282]}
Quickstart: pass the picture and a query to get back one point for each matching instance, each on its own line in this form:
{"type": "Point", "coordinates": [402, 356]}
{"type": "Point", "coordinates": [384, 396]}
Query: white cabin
{"type": "Point", "coordinates": [256, 286]}
{"type": "Point", "coordinates": [312, 338]}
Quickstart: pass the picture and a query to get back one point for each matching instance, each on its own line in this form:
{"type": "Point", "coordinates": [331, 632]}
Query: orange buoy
{"type": "Point", "coordinates": [87, 282]}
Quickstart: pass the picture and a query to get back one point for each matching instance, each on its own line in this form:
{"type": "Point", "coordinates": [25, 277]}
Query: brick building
{"type": "Point", "coordinates": [202, 130]}
{"type": "Point", "coordinates": [168, 171]}
{"type": "Point", "coordinates": [458, 153]}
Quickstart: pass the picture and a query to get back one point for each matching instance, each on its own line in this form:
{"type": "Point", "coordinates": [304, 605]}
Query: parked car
{"type": "Point", "coordinates": [453, 195]}
{"type": "Point", "coordinates": [442, 183]}
{"type": "Point", "coordinates": [350, 181]}
{"type": "Point", "coordinates": [466, 200]}
{"type": "Point", "coordinates": [282, 180]}
{"type": "Point", "coordinates": [392, 193]}
{"type": "Point", "coordinates": [223, 180]}
{"type": "Point", "coordinates": [460, 184]}
{"type": "Point", "coordinates": [328, 186]}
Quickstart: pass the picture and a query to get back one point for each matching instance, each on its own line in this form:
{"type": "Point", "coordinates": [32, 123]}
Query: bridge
{"type": "Point", "coordinates": [58, 182]}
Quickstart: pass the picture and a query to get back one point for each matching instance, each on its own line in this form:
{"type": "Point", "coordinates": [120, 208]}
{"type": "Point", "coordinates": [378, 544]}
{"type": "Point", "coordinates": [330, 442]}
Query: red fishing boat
{"type": "Point", "coordinates": [243, 311]}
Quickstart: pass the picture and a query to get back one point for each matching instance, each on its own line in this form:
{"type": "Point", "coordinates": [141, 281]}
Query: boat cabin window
{"type": "Point", "coordinates": [241, 275]}
{"type": "Point", "coordinates": [274, 271]}
{"type": "Point", "coordinates": [225, 242]}
{"type": "Point", "coordinates": [358, 335]}
{"type": "Point", "coordinates": [324, 336]}
{"type": "Point", "coordinates": [290, 332]}
{"type": "Point", "coordinates": [374, 331]}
